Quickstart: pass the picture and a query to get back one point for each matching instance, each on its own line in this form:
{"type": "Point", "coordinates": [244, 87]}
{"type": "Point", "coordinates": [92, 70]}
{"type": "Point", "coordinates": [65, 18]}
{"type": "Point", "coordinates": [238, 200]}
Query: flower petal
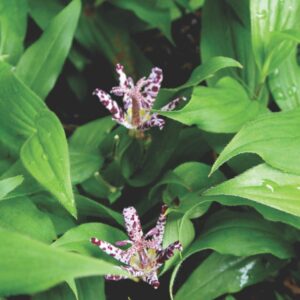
{"type": "Point", "coordinates": [115, 277]}
{"type": "Point", "coordinates": [111, 105]}
{"type": "Point", "coordinates": [152, 279]}
{"type": "Point", "coordinates": [132, 223]}
{"type": "Point", "coordinates": [159, 229]}
{"type": "Point", "coordinates": [172, 105]}
{"type": "Point", "coordinates": [153, 122]}
{"type": "Point", "coordinates": [122, 75]}
{"type": "Point", "coordinates": [118, 254]}
{"type": "Point", "coordinates": [168, 252]}
{"type": "Point", "coordinates": [123, 243]}
{"type": "Point", "coordinates": [152, 88]}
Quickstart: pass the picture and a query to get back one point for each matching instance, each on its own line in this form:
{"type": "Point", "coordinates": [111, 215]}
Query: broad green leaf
{"type": "Point", "coordinates": [285, 81]}
{"type": "Point", "coordinates": [156, 156]}
{"type": "Point", "coordinates": [195, 205]}
{"type": "Point", "coordinates": [19, 107]}
{"type": "Point", "coordinates": [207, 70]}
{"type": "Point", "coordinates": [43, 12]}
{"type": "Point", "coordinates": [88, 207]}
{"type": "Point", "coordinates": [266, 186]}
{"type": "Point", "coordinates": [269, 17]}
{"type": "Point", "coordinates": [78, 238]}
{"type": "Point", "coordinates": [29, 185]}
{"type": "Point", "coordinates": [22, 216]}
{"type": "Point", "coordinates": [88, 137]}
{"type": "Point", "coordinates": [60, 217]}
{"type": "Point", "coordinates": [83, 165]}
{"type": "Point", "coordinates": [13, 24]}
{"type": "Point", "coordinates": [220, 274]}
{"type": "Point", "coordinates": [192, 146]}
{"type": "Point", "coordinates": [42, 62]}
{"type": "Point", "coordinates": [89, 288]}
{"type": "Point", "coordinates": [45, 156]}
{"type": "Point", "coordinates": [84, 144]}
{"type": "Point", "coordinates": [267, 212]}
{"type": "Point", "coordinates": [60, 292]}
{"type": "Point", "coordinates": [185, 183]}
{"type": "Point", "coordinates": [9, 184]}
{"type": "Point", "coordinates": [271, 145]}
{"type": "Point", "coordinates": [223, 108]}
{"type": "Point", "coordinates": [107, 31]}
{"type": "Point", "coordinates": [229, 35]}
{"type": "Point", "coordinates": [225, 230]}
{"type": "Point", "coordinates": [149, 11]}
{"type": "Point", "coordinates": [99, 187]}
{"type": "Point", "coordinates": [28, 266]}
{"type": "Point", "coordinates": [195, 175]}
{"type": "Point", "coordinates": [178, 228]}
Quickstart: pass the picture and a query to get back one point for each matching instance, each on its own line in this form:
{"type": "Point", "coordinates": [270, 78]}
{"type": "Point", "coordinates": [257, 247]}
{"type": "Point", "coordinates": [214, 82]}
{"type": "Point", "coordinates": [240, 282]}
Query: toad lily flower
{"type": "Point", "coordinates": [145, 255]}
{"type": "Point", "coordinates": [138, 100]}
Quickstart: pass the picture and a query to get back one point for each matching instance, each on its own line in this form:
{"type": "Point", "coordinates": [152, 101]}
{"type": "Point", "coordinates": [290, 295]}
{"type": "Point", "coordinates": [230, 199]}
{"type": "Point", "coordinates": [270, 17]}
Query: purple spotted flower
{"type": "Point", "coordinates": [145, 255]}
{"type": "Point", "coordinates": [138, 100]}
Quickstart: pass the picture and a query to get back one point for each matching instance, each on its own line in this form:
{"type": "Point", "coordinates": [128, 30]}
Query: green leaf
{"type": "Point", "coordinates": [223, 108]}
{"type": "Point", "coordinates": [29, 185]}
{"type": "Point", "coordinates": [60, 292]}
{"type": "Point", "coordinates": [178, 228]}
{"type": "Point", "coordinates": [42, 62]}
{"type": "Point", "coordinates": [83, 165]}
{"type": "Point", "coordinates": [90, 288]}
{"type": "Point", "coordinates": [156, 156]}
{"type": "Point", "coordinates": [267, 212]}
{"type": "Point", "coordinates": [9, 184]}
{"type": "Point", "coordinates": [285, 81]}
{"type": "Point", "coordinates": [84, 144]}
{"type": "Point", "coordinates": [48, 265]}
{"type": "Point", "coordinates": [264, 185]}
{"type": "Point", "coordinates": [13, 24]}
{"type": "Point", "coordinates": [78, 239]}
{"type": "Point", "coordinates": [107, 31]}
{"type": "Point", "coordinates": [60, 217]}
{"type": "Point", "coordinates": [208, 70]}
{"type": "Point", "coordinates": [220, 274]}
{"type": "Point", "coordinates": [22, 216]}
{"type": "Point", "coordinates": [271, 145]}
{"type": "Point", "coordinates": [18, 108]}
{"type": "Point", "coordinates": [88, 207]}
{"type": "Point", "coordinates": [224, 230]}
{"type": "Point", "coordinates": [87, 289]}
{"type": "Point", "coordinates": [88, 137]}
{"type": "Point", "coordinates": [99, 187]}
{"type": "Point", "coordinates": [229, 35]}
{"type": "Point", "coordinates": [265, 22]}
{"type": "Point", "coordinates": [151, 12]}
{"type": "Point", "coordinates": [241, 234]}
{"type": "Point", "coordinates": [45, 156]}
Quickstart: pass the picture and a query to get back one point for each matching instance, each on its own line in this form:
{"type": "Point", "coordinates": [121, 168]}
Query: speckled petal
{"type": "Point", "coordinates": [154, 121]}
{"type": "Point", "coordinates": [160, 227]}
{"type": "Point", "coordinates": [115, 277]}
{"type": "Point", "coordinates": [152, 88]}
{"type": "Point", "coordinates": [132, 223]}
{"type": "Point", "coordinates": [120, 255]}
{"type": "Point", "coordinates": [152, 279]}
{"type": "Point", "coordinates": [111, 105]}
{"type": "Point", "coordinates": [172, 105]}
{"type": "Point", "coordinates": [168, 252]}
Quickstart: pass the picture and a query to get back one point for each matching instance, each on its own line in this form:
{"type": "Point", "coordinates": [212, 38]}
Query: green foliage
{"type": "Point", "coordinates": [226, 162]}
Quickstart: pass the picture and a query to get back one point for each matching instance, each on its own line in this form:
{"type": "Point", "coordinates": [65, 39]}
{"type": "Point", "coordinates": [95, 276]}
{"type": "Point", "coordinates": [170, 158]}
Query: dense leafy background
{"type": "Point", "coordinates": [227, 163]}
